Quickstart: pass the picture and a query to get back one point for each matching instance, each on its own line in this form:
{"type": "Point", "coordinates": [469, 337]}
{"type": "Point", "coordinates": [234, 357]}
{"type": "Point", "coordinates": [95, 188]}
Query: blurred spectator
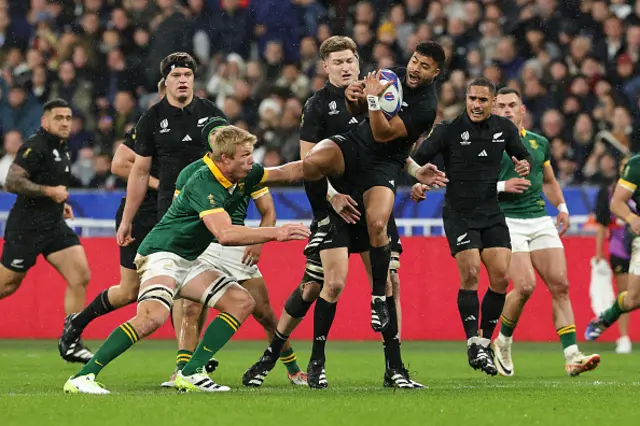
{"type": "Point", "coordinates": [12, 142]}
{"type": "Point", "coordinates": [74, 90]}
{"type": "Point", "coordinates": [102, 177]}
{"type": "Point", "coordinates": [82, 168]}
{"type": "Point", "coordinates": [21, 112]}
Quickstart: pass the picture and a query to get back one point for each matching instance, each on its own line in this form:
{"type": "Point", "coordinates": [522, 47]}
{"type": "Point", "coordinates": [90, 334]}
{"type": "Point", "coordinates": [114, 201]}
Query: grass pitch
{"type": "Point", "coordinates": [32, 376]}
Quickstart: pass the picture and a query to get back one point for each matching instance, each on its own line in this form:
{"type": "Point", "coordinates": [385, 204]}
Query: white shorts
{"type": "Point", "coordinates": [169, 265]}
{"type": "Point", "coordinates": [533, 234]}
{"type": "Point", "coordinates": [634, 263]}
{"type": "Point", "coordinates": [228, 260]}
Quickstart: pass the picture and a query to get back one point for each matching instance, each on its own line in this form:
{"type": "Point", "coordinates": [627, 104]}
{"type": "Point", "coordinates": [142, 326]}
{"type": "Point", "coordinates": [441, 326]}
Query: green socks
{"type": "Point", "coordinates": [120, 339]}
{"type": "Point", "coordinates": [183, 358]}
{"type": "Point", "coordinates": [221, 329]}
{"type": "Point", "coordinates": [612, 314]}
{"type": "Point", "coordinates": [288, 358]}
{"type": "Point", "coordinates": [567, 335]}
{"type": "Point", "coordinates": [507, 326]}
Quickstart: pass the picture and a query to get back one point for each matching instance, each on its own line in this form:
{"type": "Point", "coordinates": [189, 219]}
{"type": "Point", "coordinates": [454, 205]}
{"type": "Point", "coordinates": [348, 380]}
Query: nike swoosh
{"type": "Point", "coordinates": [506, 370]}
{"type": "Point", "coordinates": [207, 349]}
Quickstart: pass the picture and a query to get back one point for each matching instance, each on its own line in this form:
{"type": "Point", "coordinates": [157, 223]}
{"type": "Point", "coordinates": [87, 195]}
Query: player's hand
{"type": "Point", "coordinates": [522, 166]}
{"type": "Point", "coordinates": [516, 185]}
{"type": "Point", "coordinates": [635, 225]}
{"type": "Point", "coordinates": [430, 175]}
{"type": "Point", "coordinates": [251, 255]}
{"type": "Point", "coordinates": [123, 237]}
{"type": "Point", "coordinates": [58, 193]}
{"type": "Point", "coordinates": [346, 207]}
{"type": "Point", "coordinates": [67, 213]}
{"type": "Point", "coordinates": [292, 231]}
{"type": "Point", "coordinates": [418, 192]}
{"type": "Point", "coordinates": [373, 86]}
{"type": "Point", "coordinates": [355, 92]}
{"type": "Point", "coordinates": [562, 222]}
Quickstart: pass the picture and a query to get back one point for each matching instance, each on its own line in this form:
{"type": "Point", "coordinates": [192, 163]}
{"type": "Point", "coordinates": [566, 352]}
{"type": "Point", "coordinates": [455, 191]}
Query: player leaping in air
{"type": "Point", "coordinates": [169, 267]}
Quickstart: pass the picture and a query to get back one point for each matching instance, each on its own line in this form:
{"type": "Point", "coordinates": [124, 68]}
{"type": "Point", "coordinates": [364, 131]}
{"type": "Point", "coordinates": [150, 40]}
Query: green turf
{"type": "Point", "coordinates": [32, 377]}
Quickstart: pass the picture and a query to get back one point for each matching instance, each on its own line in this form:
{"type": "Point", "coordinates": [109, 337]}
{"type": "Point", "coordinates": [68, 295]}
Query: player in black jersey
{"type": "Point", "coordinates": [126, 292]}
{"type": "Point", "coordinates": [169, 133]}
{"type": "Point", "coordinates": [325, 114]}
{"type": "Point", "coordinates": [472, 146]}
{"type": "Point", "coordinates": [40, 175]}
{"type": "Point", "coordinates": [372, 156]}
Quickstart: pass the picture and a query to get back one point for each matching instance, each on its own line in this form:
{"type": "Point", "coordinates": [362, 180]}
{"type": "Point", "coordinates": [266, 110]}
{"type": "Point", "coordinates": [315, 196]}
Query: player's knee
{"type": "Point", "coordinates": [191, 311]}
{"type": "Point", "coordinates": [129, 294]}
{"type": "Point", "coordinates": [238, 302]}
{"type": "Point", "coordinates": [81, 278]}
{"type": "Point", "coordinates": [151, 315]}
{"type": "Point", "coordinates": [559, 288]}
{"type": "Point", "coordinates": [8, 288]}
{"type": "Point", "coordinates": [499, 280]}
{"type": "Point", "coordinates": [525, 287]}
{"type": "Point", "coordinates": [377, 226]}
{"type": "Point", "coordinates": [469, 276]}
{"type": "Point", "coordinates": [265, 316]}
{"type": "Point", "coordinates": [333, 287]}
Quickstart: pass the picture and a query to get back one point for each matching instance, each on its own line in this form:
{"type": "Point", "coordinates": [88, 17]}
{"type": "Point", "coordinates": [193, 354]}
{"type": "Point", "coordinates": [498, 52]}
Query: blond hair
{"type": "Point", "coordinates": [226, 139]}
{"type": "Point", "coordinates": [337, 44]}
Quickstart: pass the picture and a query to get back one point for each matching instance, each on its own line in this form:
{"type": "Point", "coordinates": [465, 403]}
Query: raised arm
{"type": "Point", "coordinates": [287, 173]}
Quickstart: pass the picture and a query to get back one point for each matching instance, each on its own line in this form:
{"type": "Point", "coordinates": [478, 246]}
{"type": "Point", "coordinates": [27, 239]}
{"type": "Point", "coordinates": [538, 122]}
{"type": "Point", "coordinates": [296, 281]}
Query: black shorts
{"type": "Point", "coordinates": [142, 224]}
{"type": "Point", "coordinates": [362, 169]}
{"type": "Point", "coordinates": [479, 232]}
{"type": "Point", "coordinates": [22, 247]}
{"type": "Point", "coordinates": [619, 265]}
{"type": "Point", "coordinates": [354, 237]}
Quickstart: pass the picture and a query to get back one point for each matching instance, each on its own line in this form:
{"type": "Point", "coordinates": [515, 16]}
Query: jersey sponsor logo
{"type": "Point", "coordinates": [465, 138]}
{"type": "Point", "coordinates": [202, 121]}
{"type": "Point", "coordinates": [56, 155]}
{"type": "Point", "coordinates": [496, 137]}
{"type": "Point", "coordinates": [533, 144]}
{"type": "Point", "coordinates": [17, 263]}
{"type": "Point", "coordinates": [483, 153]}
{"type": "Point", "coordinates": [333, 108]}
{"type": "Point", "coordinates": [164, 126]}
{"type": "Point", "coordinates": [353, 120]}
{"type": "Point", "coordinates": [187, 139]}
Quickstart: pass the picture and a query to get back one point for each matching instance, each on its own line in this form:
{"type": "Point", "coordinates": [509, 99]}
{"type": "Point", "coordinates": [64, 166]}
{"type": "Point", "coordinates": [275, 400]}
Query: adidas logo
{"type": "Point", "coordinates": [353, 121]}
{"type": "Point", "coordinates": [188, 138]}
{"type": "Point", "coordinates": [321, 338]}
{"type": "Point", "coordinates": [483, 153]}
{"type": "Point", "coordinates": [470, 318]}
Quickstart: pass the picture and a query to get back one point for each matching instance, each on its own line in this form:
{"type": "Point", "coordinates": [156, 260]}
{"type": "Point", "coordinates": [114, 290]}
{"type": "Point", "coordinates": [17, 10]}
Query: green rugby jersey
{"type": "Point", "coordinates": [630, 178]}
{"type": "Point", "coordinates": [181, 230]}
{"type": "Point", "coordinates": [529, 204]}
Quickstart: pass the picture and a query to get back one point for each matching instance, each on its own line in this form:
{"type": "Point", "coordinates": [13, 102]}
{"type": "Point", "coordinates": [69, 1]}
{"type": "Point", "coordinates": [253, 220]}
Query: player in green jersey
{"type": "Point", "coordinates": [535, 243]}
{"type": "Point", "coordinates": [627, 189]}
{"type": "Point", "coordinates": [239, 262]}
{"type": "Point", "coordinates": [169, 267]}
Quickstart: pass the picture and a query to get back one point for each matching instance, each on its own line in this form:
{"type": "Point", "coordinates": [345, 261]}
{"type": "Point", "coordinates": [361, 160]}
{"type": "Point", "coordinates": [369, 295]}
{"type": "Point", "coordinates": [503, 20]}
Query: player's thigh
{"type": "Point", "coordinates": [545, 235]}
{"type": "Point", "coordinates": [497, 261]}
{"type": "Point", "coordinates": [20, 251]}
{"type": "Point", "coordinates": [378, 202]}
{"type": "Point", "coordinates": [327, 157]}
{"type": "Point", "coordinates": [72, 264]}
{"type": "Point", "coordinates": [520, 234]}
{"type": "Point", "coordinates": [522, 273]}
{"type": "Point", "coordinates": [551, 264]}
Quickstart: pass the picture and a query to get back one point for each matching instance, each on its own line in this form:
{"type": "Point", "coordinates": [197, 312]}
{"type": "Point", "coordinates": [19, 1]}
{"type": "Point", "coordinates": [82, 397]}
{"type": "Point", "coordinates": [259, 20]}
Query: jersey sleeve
{"type": "Point", "coordinates": [29, 157]}
{"type": "Point", "coordinates": [130, 139]}
{"type": "Point", "coordinates": [434, 144]}
{"type": "Point", "coordinates": [547, 152]}
{"type": "Point", "coordinates": [630, 178]}
{"type": "Point", "coordinates": [145, 145]}
{"type": "Point", "coordinates": [603, 215]}
{"type": "Point", "coordinates": [311, 122]}
{"type": "Point", "coordinates": [513, 144]}
{"type": "Point", "coordinates": [417, 120]}
{"type": "Point", "coordinates": [204, 195]}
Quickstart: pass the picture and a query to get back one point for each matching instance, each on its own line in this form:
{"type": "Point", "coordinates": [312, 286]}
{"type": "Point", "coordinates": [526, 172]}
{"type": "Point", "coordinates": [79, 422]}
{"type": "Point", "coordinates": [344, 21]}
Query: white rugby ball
{"type": "Point", "coordinates": [391, 98]}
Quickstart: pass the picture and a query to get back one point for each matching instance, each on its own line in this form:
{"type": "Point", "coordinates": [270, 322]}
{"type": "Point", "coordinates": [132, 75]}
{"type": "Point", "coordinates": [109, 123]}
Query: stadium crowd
{"type": "Point", "coordinates": [575, 62]}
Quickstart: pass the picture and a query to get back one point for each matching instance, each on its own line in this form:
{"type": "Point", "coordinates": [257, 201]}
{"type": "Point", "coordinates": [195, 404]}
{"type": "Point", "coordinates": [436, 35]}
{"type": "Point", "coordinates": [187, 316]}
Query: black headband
{"type": "Point", "coordinates": [179, 63]}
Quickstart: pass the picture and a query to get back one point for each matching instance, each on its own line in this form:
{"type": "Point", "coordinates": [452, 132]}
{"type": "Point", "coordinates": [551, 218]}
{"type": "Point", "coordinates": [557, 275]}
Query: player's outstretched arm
{"type": "Point", "coordinates": [227, 234]}
{"type": "Point", "coordinates": [553, 192]}
{"type": "Point", "coordinates": [122, 164]}
{"type": "Point", "coordinates": [287, 173]}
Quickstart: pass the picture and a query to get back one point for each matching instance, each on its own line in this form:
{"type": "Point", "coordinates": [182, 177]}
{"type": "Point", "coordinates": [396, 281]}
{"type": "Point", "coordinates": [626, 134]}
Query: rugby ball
{"type": "Point", "coordinates": [391, 99]}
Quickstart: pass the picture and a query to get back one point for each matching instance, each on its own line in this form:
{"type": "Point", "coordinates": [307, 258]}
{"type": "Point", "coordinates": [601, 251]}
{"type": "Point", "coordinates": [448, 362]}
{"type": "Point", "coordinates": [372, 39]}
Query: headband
{"type": "Point", "coordinates": [211, 126]}
{"type": "Point", "coordinates": [178, 63]}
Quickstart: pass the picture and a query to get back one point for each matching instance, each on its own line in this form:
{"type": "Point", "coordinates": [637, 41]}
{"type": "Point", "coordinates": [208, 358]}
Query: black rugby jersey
{"type": "Point", "coordinates": [472, 153]}
{"type": "Point", "coordinates": [47, 160]}
{"type": "Point", "coordinates": [172, 136]}
{"type": "Point", "coordinates": [418, 112]}
{"type": "Point", "coordinates": [149, 205]}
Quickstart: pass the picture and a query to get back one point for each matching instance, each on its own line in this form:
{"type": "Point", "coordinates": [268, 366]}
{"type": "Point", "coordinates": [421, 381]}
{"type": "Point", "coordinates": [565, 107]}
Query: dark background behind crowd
{"type": "Point", "coordinates": [575, 62]}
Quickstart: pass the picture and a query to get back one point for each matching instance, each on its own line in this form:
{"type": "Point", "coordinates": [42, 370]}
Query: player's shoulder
{"type": "Point", "coordinates": [537, 136]}
{"type": "Point", "coordinates": [207, 105]}
{"type": "Point", "coordinates": [317, 97]}
{"type": "Point", "coordinates": [35, 142]}
{"type": "Point", "coordinates": [634, 161]}
{"type": "Point", "coordinates": [256, 174]}
{"type": "Point", "coordinates": [502, 121]}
